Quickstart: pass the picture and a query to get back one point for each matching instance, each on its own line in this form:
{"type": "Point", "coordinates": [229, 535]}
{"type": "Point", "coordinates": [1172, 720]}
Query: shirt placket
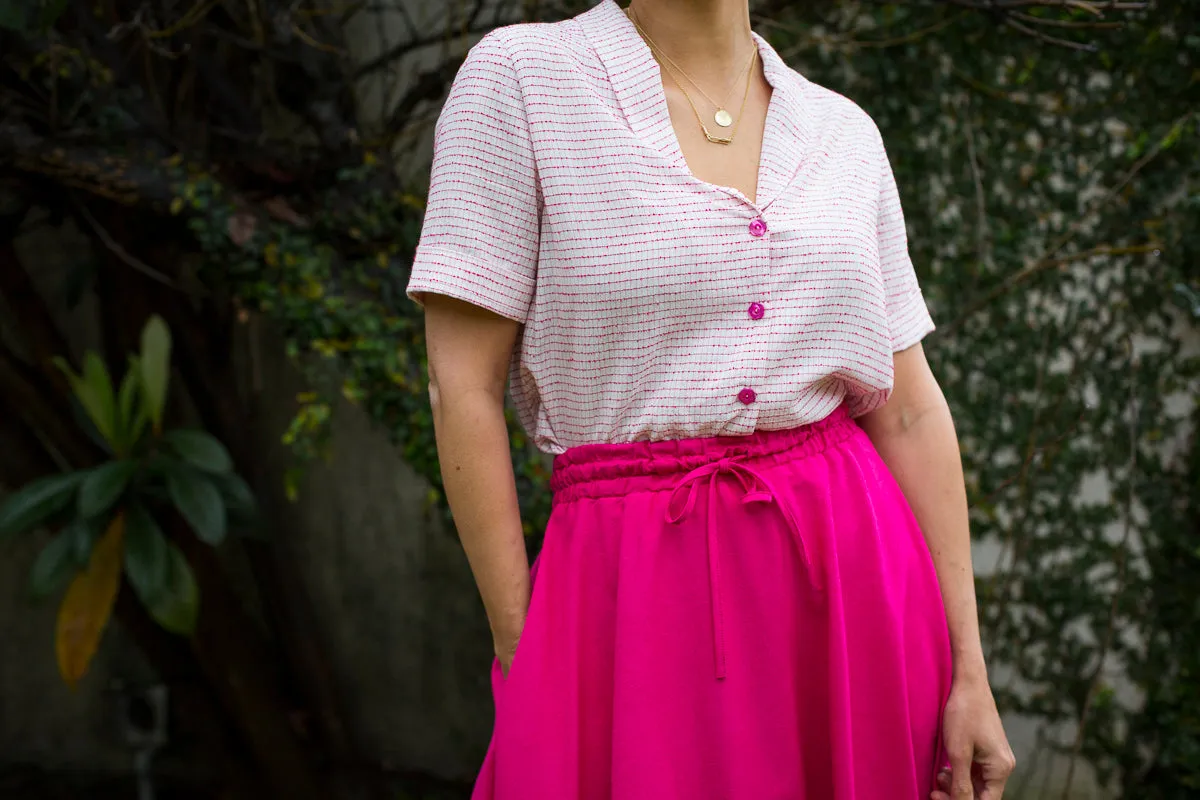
{"type": "Point", "coordinates": [755, 315]}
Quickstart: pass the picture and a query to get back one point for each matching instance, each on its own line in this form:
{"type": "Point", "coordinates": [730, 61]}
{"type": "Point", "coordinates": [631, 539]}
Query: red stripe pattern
{"type": "Point", "coordinates": [655, 305]}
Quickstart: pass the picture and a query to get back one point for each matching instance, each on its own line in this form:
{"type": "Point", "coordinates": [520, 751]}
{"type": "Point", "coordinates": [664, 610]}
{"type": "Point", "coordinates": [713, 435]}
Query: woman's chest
{"type": "Point", "coordinates": [640, 230]}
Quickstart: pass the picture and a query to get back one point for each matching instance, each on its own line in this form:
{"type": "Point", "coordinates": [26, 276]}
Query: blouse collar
{"type": "Point", "coordinates": [636, 79]}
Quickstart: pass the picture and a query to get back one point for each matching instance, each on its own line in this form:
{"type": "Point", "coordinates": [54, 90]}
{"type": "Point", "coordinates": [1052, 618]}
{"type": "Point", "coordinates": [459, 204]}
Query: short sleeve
{"type": "Point", "coordinates": [479, 238]}
{"type": "Point", "coordinates": [909, 320]}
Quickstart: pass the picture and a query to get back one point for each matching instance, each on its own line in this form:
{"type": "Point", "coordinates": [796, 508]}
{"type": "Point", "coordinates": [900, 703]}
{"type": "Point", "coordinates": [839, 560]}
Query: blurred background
{"type": "Point", "coordinates": [226, 567]}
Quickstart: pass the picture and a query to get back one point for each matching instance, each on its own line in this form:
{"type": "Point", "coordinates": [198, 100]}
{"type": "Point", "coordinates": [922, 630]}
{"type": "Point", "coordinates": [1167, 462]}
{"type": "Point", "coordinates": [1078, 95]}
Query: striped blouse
{"type": "Point", "coordinates": [655, 305]}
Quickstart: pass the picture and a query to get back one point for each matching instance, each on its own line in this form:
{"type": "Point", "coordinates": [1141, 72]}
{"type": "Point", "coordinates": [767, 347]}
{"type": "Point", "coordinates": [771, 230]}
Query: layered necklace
{"type": "Point", "coordinates": [721, 117]}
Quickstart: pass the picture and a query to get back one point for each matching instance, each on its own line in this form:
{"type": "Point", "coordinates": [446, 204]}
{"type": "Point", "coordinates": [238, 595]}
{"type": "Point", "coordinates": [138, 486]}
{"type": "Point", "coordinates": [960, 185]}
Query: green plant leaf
{"type": "Point", "coordinates": [85, 405]}
{"type": "Point", "coordinates": [137, 417]}
{"type": "Point", "coordinates": [100, 402]}
{"type": "Point", "coordinates": [236, 492]}
{"type": "Point", "coordinates": [156, 368]}
{"type": "Point", "coordinates": [240, 504]}
{"type": "Point", "coordinates": [83, 534]}
{"type": "Point", "coordinates": [177, 607]}
{"type": "Point", "coordinates": [199, 502]}
{"type": "Point", "coordinates": [147, 561]}
{"type": "Point", "coordinates": [200, 449]}
{"type": "Point", "coordinates": [54, 566]}
{"type": "Point", "coordinates": [37, 501]}
{"type": "Point", "coordinates": [80, 416]}
{"type": "Point", "coordinates": [103, 486]}
{"type": "Point", "coordinates": [127, 410]}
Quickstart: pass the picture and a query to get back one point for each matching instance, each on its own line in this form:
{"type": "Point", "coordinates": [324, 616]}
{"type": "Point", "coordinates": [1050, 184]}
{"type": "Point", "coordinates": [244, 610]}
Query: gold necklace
{"type": "Point", "coordinates": [708, 134]}
{"type": "Point", "coordinates": [721, 117]}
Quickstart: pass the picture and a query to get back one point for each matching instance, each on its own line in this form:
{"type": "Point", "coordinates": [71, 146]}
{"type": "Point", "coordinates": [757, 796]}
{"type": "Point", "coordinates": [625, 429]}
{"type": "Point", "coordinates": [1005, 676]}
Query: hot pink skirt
{"type": "Point", "coordinates": [731, 618]}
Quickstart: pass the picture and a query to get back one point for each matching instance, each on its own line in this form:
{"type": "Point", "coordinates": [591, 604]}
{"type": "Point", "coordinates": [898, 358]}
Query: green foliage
{"type": "Point", "coordinates": [155, 368]}
{"type": "Point", "coordinates": [147, 561]}
{"type": "Point", "coordinates": [199, 449]}
{"type": "Point", "coordinates": [150, 473]}
{"type": "Point", "coordinates": [54, 567]}
{"type": "Point", "coordinates": [38, 502]}
{"type": "Point", "coordinates": [177, 607]}
{"type": "Point", "coordinates": [103, 486]}
{"type": "Point", "coordinates": [199, 501]}
{"type": "Point", "coordinates": [159, 573]}
{"type": "Point", "coordinates": [335, 287]}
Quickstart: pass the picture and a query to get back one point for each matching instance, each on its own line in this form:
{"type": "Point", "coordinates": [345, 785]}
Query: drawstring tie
{"type": "Point", "coordinates": [757, 490]}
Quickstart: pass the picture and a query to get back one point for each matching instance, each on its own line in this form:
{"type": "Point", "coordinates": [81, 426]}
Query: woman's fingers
{"type": "Point", "coordinates": [961, 785]}
{"type": "Point", "coordinates": [995, 766]}
{"type": "Point", "coordinates": [981, 779]}
{"type": "Point", "coordinates": [942, 789]}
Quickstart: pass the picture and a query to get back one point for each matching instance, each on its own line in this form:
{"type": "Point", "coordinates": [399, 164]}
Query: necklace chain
{"type": "Point", "coordinates": [680, 69]}
{"type": "Point", "coordinates": [656, 50]}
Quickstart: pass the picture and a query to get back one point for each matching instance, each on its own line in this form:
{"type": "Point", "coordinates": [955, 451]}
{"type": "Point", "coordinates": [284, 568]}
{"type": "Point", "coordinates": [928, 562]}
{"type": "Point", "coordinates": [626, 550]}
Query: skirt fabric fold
{"type": "Point", "coordinates": [732, 618]}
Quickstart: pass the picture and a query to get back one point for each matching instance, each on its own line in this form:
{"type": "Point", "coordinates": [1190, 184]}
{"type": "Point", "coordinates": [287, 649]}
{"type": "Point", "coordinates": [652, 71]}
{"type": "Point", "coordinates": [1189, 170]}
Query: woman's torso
{"type": "Point", "coordinates": [665, 306]}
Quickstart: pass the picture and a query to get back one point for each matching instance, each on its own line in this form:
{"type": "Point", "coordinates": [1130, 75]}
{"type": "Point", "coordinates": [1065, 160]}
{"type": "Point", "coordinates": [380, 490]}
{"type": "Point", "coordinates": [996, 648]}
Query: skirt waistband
{"type": "Point", "coordinates": [604, 470]}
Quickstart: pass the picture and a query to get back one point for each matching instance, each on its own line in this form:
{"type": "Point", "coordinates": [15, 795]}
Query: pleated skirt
{"type": "Point", "coordinates": [729, 618]}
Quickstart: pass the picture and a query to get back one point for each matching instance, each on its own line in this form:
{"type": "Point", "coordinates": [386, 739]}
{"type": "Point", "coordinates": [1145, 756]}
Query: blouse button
{"type": "Point", "coordinates": [757, 227]}
{"type": "Point", "coordinates": [756, 311]}
{"type": "Point", "coordinates": [747, 396]}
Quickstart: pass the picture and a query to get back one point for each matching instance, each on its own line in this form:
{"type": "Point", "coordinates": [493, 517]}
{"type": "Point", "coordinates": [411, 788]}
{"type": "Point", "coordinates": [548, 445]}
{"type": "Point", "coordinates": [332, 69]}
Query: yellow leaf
{"type": "Point", "coordinates": [412, 201]}
{"type": "Point", "coordinates": [88, 604]}
{"type": "Point", "coordinates": [291, 485]}
{"type": "Point", "coordinates": [313, 290]}
{"type": "Point", "coordinates": [177, 205]}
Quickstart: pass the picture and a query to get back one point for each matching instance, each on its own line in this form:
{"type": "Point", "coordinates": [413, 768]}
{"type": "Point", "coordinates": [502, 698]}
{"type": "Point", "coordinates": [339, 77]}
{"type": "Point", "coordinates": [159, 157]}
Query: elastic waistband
{"type": "Point", "coordinates": [602, 470]}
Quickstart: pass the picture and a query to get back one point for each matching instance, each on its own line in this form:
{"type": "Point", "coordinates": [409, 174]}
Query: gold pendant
{"type": "Point", "coordinates": [715, 139]}
{"type": "Point", "coordinates": [723, 118]}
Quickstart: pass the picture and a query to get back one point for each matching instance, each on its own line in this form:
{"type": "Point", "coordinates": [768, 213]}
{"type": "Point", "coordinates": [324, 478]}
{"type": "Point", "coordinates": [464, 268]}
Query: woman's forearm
{"type": "Point", "coordinates": [473, 448]}
{"type": "Point", "coordinates": [918, 443]}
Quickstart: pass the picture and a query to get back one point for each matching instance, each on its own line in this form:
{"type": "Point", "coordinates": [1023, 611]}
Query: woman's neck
{"type": "Point", "coordinates": [707, 38]}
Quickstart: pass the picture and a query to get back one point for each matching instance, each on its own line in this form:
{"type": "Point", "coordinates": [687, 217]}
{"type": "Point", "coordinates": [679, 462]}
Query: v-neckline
{"type": "Point", "coordinates": [676, 147]}
{"type": "Point", "coordinates": [637, 80]}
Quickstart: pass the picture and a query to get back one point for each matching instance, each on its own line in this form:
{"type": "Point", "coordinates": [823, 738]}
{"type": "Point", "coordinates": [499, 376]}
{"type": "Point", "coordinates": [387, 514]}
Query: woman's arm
{"type": "Point", "coordinates": [914, 434]}
{"type": "Point", "coordinates": [469, 351]}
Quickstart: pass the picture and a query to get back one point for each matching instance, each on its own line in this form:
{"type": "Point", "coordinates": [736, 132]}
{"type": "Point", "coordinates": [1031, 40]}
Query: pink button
{"type": "Point", "coordinates": [757, 227]}
{"type": "Point", "coordinates": [756, 311]}
{"type": "Point", "coordinates": [747, 396]}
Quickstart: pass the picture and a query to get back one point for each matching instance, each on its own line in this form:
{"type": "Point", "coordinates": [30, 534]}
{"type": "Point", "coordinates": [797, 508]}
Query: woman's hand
{"type": "Point", "coordinates": [980, 758]}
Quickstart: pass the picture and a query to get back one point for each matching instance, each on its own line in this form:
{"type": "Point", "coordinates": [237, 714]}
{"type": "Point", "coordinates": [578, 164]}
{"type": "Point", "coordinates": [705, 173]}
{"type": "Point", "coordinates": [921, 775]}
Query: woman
{"type": "Point", "coordinates": [692, 264]}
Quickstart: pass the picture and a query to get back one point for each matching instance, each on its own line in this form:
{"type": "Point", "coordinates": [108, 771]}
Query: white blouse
{"type": "Point", "coordinates": [656, 305]}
